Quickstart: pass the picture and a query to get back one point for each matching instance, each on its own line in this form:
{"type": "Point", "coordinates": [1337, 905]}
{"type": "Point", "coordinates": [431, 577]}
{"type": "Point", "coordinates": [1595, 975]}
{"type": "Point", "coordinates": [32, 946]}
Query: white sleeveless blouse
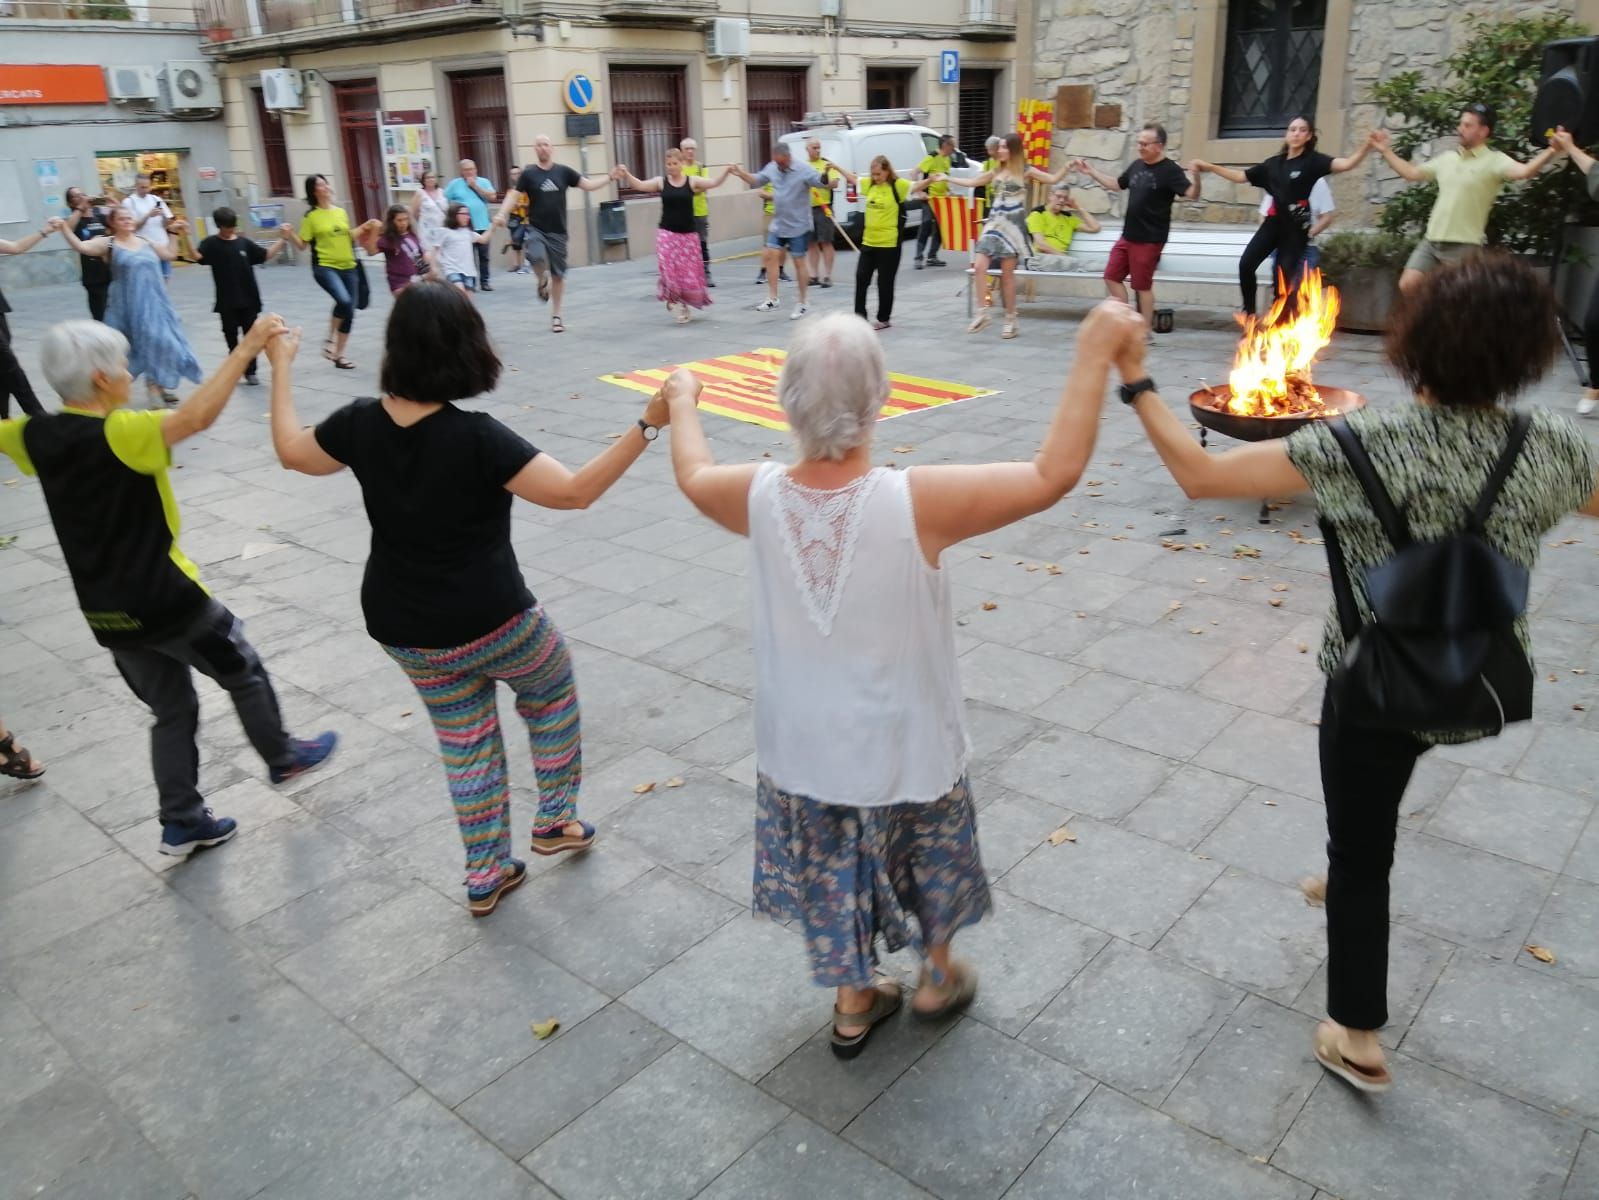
{"type": "Point", "coordinates": [857, 695]}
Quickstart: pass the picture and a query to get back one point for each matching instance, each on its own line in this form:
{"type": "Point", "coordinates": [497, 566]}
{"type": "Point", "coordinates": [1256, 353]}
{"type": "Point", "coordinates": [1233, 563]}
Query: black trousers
{"type": "Point", "coordinates": [1363, 778]}
{"type": "Point", "coordinates": [702, 226]}
{"type": "Point", "coordinates": [1590, 336]}
{"type": "Point", "coordinates": [1283, 238]}
{"type": "Point", "coordinates": [13, 382]}
{"type": "Point", "coordinates": [928, 230]}
{"type": "Point", "coordinates": [884, 262]}
{"type": "Point", "coordinates": [98, 292]}
{"type": "Point", "coordinates": [481, 249]}
{"type": "Point", "coordinates": [235, 323]}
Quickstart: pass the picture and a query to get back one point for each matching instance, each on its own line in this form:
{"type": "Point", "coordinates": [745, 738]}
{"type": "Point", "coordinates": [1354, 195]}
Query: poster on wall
{"type": "Point", "coordinates": [48, 175]}
{"type": "Point", "coordinates": [407, 139]}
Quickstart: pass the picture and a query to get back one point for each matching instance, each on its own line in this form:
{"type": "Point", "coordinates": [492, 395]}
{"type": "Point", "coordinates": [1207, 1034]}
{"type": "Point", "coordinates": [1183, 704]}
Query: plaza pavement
{"type": "Point", "coordinates": [309, 1012]}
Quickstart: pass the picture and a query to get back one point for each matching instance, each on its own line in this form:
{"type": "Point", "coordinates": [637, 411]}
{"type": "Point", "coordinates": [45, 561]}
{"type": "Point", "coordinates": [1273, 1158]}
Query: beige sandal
{"type": "Point", "coordinates": [1324, 1042]}
{"type": "Point", "coordinates": [959, 989]}
{"type": "Point", "coordinates": [1008, 331]}
{"type": "Point", "coordinates": [884, 1005]}
{"type": "Point", "coordinates": [979, 321]}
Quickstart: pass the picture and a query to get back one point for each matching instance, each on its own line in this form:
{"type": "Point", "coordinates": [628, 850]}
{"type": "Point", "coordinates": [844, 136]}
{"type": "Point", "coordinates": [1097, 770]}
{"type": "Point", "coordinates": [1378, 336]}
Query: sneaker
{"type": "Point", "coordinates": [799, 311]}
{"type": "Point", "coordinates": [784, 277]}
{"type": "Point", "coordinates": [919, 263]}
{"type": "Point", "coordinates": [881, 325]}
{"type": "Point", "coordinates": [766, 306]}
{"type": "Point", "coordinates": [935, 262]}
{"type": "Point", "coordinates": [169, 397]}
{"type": "Point", "coordinates": [761, 278]}
{"type": "Point", "coordinates": [825, 283]}
{"type": "Point", "coordinates": [1586, 405]}
{"type": "Point", "coordinates": [251, 381]}
{"type": "Point", "coordinates": [485, 287]}
{"type": "Point", "coordinates": [180, 841]}
{"type": "Point", "coordinates": [524, 269]}
{"type": "Point", "coordinates": [481, 902]}
{"type": "Point", "coordinates": [308, 755]}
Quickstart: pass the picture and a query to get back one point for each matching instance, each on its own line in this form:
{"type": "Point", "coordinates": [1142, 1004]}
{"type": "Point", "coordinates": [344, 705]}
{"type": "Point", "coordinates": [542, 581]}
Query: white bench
{"type": "Point", "coordinates": [1194, 254]}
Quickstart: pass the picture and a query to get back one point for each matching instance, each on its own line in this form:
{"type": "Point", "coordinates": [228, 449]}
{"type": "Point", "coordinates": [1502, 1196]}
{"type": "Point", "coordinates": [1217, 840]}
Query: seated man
{"type": "Point", "coordinates": [1052, 228]}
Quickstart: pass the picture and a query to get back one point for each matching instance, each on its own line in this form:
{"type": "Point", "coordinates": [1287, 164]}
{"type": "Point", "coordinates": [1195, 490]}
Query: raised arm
{"type": "Point", "coordinates": [169, 250]}
{"type": "Point", "coordinates": [1109, 182]}
{"type": "Point", "coordinates": [1533, 165]}
{"type": "Point", "coordinates": [547, 483]}
{"type": "Point", "coordinates": [1051, 178]}
{"type": "Point", "coordinates": [292, 235]}
{"type": "Point", "coordinates": [959, 502]}
{"type": "Point", "coordinates": [296, 446]}
{"type": "Point", "coordinates": [1348, 162]}
{"type": "Point", "coordinates": [29, 240]}
{"type": "Point", "coordinates": [512, 199]}
{"type": "Point", "coordinates": [722, 493]}
{"type": "Point", "coordinates": [625, 177]}
{"type": "Point", "coordinates": [1562, 140]}
{"type": "Point", "coordinates": [921, 185]}
{"type": "Point", "coordinates": [704, 183]}
{"type": "Point", "coordinates": [1232, 174]}
{"type": "Point", "coordinates": [205, 404]}
{"type": "Point", "coordinates": [95, 247]}
{"type": "Point", "coordinates": [589, 184]}
{"type": "Point", "coordinates": [971, 182]}
{"type": "Point", "coordinates": [1402, 166]}
{"type": "Point", "coordinates": [753, 180]}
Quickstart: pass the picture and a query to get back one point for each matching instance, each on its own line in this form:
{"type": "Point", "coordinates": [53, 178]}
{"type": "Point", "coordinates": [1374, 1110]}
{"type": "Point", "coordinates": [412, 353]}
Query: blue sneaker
{"type": "Point", "coordinates": [180, 841]}
{"type": "Point", "coordinates": [481, 902]}
{"type": "Point", "coordinates": [308, 755]}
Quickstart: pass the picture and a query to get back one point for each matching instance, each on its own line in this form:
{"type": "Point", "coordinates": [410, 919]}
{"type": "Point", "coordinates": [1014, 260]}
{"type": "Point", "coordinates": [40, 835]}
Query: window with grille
{"type": "Point", "coordinates": [977, 125]}
{"type": "Point", "coordinates": [776, 103]}
{"type": "Point", "coordinates": [274, 149]}
{"type": "Point", "coordinates": [482, 125]}
{"type": "Point", "coordinates": [888, 87]}
{"type": "Point", "coordinates": [649, 116]}
{"type": "Point", "coordinates": [1272, 64]}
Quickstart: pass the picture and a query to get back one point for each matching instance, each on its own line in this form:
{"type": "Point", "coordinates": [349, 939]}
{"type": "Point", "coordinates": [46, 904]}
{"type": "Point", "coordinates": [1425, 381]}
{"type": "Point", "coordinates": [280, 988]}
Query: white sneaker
{"type": "Point", "coordinates": [766, 306]}
{"type": "Point", "coordinates": [799, 311]}
{"type": "Point", "coordinates": [1586, 405]}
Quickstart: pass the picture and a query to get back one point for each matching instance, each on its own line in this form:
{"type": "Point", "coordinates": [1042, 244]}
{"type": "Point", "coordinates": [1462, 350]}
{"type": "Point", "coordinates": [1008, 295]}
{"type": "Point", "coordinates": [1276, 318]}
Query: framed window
{"type": "Point", "coordinates": [274, 149]}
{"type": "Point", "coordinates": [482, 124]}
{"type": "Point", "coordinates": [889, 87]}
{"type": "Point", "coordinates": [649, 116]}
{"type": "Point", "coordinates": [1272, 65]}
{"type": "Point", "coordinates": [776, 100]}
{"type": "Point", "coordinates": [977, 125]}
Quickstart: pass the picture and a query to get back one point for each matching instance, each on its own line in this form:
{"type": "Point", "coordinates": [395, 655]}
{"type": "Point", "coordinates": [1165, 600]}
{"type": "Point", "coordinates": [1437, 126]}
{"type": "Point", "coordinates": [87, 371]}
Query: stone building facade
{"type": "Point", "coordinates": [1164, 62]}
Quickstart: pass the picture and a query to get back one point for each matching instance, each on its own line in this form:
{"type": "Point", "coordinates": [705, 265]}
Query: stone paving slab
{"type": "Point", "coordinates": [309, 1012]}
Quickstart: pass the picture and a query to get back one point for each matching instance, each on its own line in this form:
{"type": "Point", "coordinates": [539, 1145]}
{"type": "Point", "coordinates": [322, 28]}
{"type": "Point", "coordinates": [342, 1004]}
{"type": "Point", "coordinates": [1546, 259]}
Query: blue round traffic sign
{"type": "Point", "coordinates": [579, 93]}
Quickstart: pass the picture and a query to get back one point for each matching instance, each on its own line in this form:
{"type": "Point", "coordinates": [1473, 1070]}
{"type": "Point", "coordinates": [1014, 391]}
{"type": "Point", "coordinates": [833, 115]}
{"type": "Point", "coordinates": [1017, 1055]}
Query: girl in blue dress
{"type": "Point", "coordinates": [139, 306]}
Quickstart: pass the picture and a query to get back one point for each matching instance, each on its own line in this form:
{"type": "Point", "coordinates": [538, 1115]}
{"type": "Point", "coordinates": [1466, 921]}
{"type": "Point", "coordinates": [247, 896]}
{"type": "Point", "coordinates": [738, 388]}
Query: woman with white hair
{"type": "Point", "coordinates": [864, 817]}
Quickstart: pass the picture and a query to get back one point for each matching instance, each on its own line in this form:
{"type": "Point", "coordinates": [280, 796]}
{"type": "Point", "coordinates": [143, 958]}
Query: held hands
{"type": "Point", "coordinates": [1114, 333]}
{"type": "Point", "coordinates": [55, 224]}
{"type": "Point", "coordinates": [260, 335]}
{"type": "Point", "coordinates": [280, 351]}
{"type": "Point", "coordinates": [178, 226]}
{"type": "Point", "coordinates": [1378, 138]}
{"type": "Point", "coordinates": [682, 386]}
{"type": "Point", "coordinates": [1562, 140]}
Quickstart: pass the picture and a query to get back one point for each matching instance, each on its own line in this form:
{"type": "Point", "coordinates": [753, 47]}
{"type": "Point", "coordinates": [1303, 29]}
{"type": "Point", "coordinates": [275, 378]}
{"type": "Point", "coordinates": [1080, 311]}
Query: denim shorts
{"type": "Point", "coordinates": [469, 282]}
{"type": "Point", "coordinates": [166, 268]}
{"type": "Point", "coordinates": [796, 244]}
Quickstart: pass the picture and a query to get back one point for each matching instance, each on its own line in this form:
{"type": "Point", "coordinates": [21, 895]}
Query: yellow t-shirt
{"type": "Point", "coordinates": [1468, 184]}
{"type": "Point", "coordinates": [328, 231]}
{"type": "Point", "coordinates": [702, 203]}
{"type": "Point", "coordinates": [935, 164]}
{"type": "Point", "coordinates": [1057, 227]}
{"type": "Point", "coordinates": [823, 195]}
{"type": "Point", "coordinates": [769, 193]}
{"type": "Point", "coordinates": [882, 214]}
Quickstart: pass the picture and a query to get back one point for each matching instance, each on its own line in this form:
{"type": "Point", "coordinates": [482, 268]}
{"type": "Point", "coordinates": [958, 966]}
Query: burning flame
{"type": "Point", "coordinates": [1271, 374]}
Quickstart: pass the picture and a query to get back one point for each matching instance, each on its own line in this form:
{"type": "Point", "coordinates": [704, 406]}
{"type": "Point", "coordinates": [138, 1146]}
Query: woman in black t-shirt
{"type": "Point", "coordinates": [680, 270]}
{"type": "Point", "coordinates": [1288, 177]}
{"type": "Point", "coordinates": [443, 593]}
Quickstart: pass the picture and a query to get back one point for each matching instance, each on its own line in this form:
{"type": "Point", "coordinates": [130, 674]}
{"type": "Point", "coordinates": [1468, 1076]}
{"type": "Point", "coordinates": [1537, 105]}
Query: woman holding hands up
{"type": "Point", "coordinates": [680, 270]}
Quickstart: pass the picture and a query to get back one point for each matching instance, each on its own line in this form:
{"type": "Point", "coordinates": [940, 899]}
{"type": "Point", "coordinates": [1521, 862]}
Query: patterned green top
{"type": "Point", "coordinates": [1434, 462]}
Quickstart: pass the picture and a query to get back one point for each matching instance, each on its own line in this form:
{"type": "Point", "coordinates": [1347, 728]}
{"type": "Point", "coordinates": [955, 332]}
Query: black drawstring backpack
{"type": "Point", "coordinates": [1439, 653]}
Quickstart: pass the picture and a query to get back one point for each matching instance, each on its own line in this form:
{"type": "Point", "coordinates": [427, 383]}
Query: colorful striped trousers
{"type": "Point", "coordinates": [457, 685]}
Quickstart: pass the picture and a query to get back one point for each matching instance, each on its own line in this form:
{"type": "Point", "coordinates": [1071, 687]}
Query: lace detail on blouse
{"type": "Point", "coordinates": [820, 529]}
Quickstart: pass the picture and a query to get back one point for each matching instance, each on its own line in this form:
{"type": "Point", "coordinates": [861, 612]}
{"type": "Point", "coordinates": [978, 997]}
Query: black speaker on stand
{"type": "Point", "coordinates": [1568, 97]}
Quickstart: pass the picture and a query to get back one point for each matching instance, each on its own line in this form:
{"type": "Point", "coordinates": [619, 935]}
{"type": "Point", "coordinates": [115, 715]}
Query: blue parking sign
{"type": "Point", "coordinates": [949, 66]}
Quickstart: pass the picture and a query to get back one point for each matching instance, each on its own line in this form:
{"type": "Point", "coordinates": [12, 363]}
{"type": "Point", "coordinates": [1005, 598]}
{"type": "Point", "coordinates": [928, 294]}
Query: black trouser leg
{"type": "Point", "coordinates": [702, 226]}
{"type": "Point", "coordinates": [887, 272]}
{"type": "Point", "coordinates": [1363, 778]}
{"type": "Point", "coordinates": [1590, 336]}
{"type": "Point", "coordinates": [97, 299]}
{"type": "Point", "coordinates": [865, 268]}
{"type": "Point", "coordinates": [1258, 251]}
{"type": "Point", "coordinates": [482, 251]}
{"type": "Point", "coordinates": [13, 381]}
{"type": "Point", "coordinates": [926, 230]}
{"type": "Point", "coordinates": [236, 323]}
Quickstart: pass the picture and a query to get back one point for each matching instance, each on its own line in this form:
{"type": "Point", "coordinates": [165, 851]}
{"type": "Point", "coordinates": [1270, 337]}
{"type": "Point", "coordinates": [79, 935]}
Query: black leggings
{"type": "Point", "coordinates": [1284, 238]}
{"type": "Point", "coordinates": [884, 261]}
{"type": "Point", "coordinates": [1364, 773]}
{"type": "Point", "coordinates": [13, 382]}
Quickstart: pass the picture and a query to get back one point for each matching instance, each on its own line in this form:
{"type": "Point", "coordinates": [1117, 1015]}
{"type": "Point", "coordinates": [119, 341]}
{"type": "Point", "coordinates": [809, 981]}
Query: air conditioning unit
{"type": "Point", "coordinates": [728, 37]}
{"type": "Point", "coordinates": [191, 85]}
{"type": "Point", "coordinates": [283, 89]}
{"type": "Point", "coordinates": [131, 83]}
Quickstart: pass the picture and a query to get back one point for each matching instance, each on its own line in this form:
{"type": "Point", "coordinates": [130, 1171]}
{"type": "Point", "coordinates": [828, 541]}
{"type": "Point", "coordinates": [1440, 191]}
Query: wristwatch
{"type": "Point", "coordinates": [650, 432]}
{"type": "Point", "coordinates": [1131, 391]}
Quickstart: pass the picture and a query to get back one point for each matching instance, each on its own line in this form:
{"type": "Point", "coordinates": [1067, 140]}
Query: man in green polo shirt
{"type": "Point", "coordinates": [702, 204]}
{"type": "Point", "coordinates": [1469, 180]}
{"type": "Point", "coordinates": [933, 164]}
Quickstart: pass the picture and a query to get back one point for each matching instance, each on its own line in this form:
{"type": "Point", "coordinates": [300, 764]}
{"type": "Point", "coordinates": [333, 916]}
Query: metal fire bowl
{"type": "Point", "coordinates": [1248, 428]}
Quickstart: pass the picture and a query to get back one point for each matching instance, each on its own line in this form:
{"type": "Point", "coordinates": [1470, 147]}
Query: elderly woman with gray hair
{"type": "Point", "coordinates": [865, 825]}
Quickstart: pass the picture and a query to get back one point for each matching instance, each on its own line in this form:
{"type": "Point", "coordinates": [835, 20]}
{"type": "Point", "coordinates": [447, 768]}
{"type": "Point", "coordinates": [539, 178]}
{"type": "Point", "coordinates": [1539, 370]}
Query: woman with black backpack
{"type": "Point", "coordinates": [1432, 513]}
{"type": "Point", "coordinates": [884, 199]}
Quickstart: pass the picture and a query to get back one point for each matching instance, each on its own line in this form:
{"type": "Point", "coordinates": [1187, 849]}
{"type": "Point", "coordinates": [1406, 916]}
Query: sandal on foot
{"type": "Point", "coordinates": [1324, 1042]}
{"type": "Point", "coordinates": [15, 760]}
{"type": "Point", "coordinates": [979, 322]}
{"type": "Point", "coordinates": [884, 1004]}
{"type": "Point", "coordinates": [558, 841]}
{"type": "Point", "coordinates": [544, 287]}
{"type": "Point", "coordinates": [959, 989]}
{"type": "Point", "coordinates": [344, 364]}
{"type": "Point", "coordinates": [1008, 330]}
{"type": "Point", "coordinates": [557, 325]}
{"type": "Point", "coordinates": [327, 350]}
{"type": "Point", "coordinates": [482, 903]}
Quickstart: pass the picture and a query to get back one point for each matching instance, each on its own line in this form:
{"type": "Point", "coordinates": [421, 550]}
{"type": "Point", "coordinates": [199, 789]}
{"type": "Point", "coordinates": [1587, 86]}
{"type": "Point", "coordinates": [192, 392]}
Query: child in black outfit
{"type": "Point", "coordinates": [233, 260]}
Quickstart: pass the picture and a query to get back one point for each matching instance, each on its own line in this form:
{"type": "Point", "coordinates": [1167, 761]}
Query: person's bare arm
{"type": "Point", "coordinates": [972, 183]}
{"type": "Point", "coordinates": [291, 234]}
{"type": "Point", "coordinates": [1109, 182]}
{"type": "Point", "coordinates": [918, 188]}
{"type": "Point", "coordinates": [1532, 166]}
{"type": "Point", "coordinates": [205, 404]}
{"type": "Point", "coordinates": [29, 240]}
{"type": "Point", "coordinates": [1348, 162]}
{"type": "Point", "coordinates": [95, 247]}
{"type": "Point", "coordinates": [1050, 178]}
{"type": "Point", "coordinates": [1231, 174]}
{"type": "Point", "coordinates": [512, 199]}
{"type": "Point", "coordinates": [367, 238]}
{"type": "Point", "coordinates": [720, 492]}
{"type": "Point", "coordinates": [704, 183]}
{"type": "Point", "coordinates": [1402, 166]}
{"type": "Point", "coordinates": [590, 184]}
{"type": "Point", "coordinates": [295, 445]}
{"type": "Point", "coordinates": [1322, 223]}
{"type": "Point", "coordinates": [169, 250]}
{"type": "Point", "coordinates": [545, 482]}
{"type": "Point", "coordinates": [1563, 142]}
{"type": "Point", "coordinates": [959, 502]}
{"type": "Point", "coordinates": [1090, 221]}
{"type": "Point", "coordinates": [629, 180]}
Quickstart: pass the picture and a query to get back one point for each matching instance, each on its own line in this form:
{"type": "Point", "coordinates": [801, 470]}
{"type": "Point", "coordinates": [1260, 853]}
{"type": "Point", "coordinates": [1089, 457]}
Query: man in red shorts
{"type": "Point", "coordinates": [1152, 183]}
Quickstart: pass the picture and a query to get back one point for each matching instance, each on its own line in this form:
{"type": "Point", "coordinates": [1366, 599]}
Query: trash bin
{"type": "Point", "coordinates": [613, 223]}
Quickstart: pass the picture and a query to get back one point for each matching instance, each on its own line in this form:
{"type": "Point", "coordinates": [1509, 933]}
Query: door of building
{"type": "Point", "coordinates": [976, 116]}
{"type": "Point", "coordinates": [482, 124]}
{"type": "Point", "coordinates": [366, 195]}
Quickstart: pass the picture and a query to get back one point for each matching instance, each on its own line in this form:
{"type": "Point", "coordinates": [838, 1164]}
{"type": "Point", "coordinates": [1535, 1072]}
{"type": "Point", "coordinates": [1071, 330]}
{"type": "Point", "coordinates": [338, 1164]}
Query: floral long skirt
{"type": "Point", "coordinates": [680, 269]}
{"type": "Point", "coordinates": [850, 876]}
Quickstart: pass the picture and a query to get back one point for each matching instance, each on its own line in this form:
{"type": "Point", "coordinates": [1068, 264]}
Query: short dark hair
{"type": "Point", "coordinates": [1483, 112]}
{"type": "Point", "coordinates": [946, 139]}
{"type": "Point", "coordinates": [1476, 332]}
{"type": "Point", "coordinates": [436, 348]}
{"type": "Point", "coordinates": [1157, 129]}
{"type": "Point", "coordinates": [310, 188]}
{"type": "Point", "coordinates": [452, 213]}
{"type": "Point", "coordinates": [225, 218]}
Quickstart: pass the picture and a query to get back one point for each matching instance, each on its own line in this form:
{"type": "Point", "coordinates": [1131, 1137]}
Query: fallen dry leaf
{"type": "Point", "coordinates": [904, 449]}
{"type": "Point", "coordinates": [1279, 587]}
{"type": "Point", "coordinates": [1201, 545]}
{"type": "Point", "coordinates": [1080, 615]}
{"type": "Point", "coordinates": [544, 1030]}
{"type": "Point", "coordinates": [1302, 648]}
{"type": "Point", "coordinates": [642, 788]}
{"type": "Point", "coordinates": [1174, 606]}
{"type": "Point", "coordinates": [406, 713]}
{"type": "Point", "coordinates": [1082, 552]}
{"type": "Point", "coordinates": [1094, 482]}
{"type": "Point", "coordinates": [1032, 566]}
{"type": "Point", "coordinates": [1314, 889]}
{"type": "Point", "coordinates": [1196, 631]}
{"type": "Point", "coordinates": [989, 606]}
{"type": "Point", "coordinates": [1269, 802]}
{"type": "Point", "coordinates": [1241, 551]}
{"type": "Point", "coordinates": [1552, 677]}
{"type": "Point", "coordinates": [985, 556]}
{"type": "Point", "coordinates": [674, 782]}
{"type": "Point", "coordinates": [1579, 708]}
{"type": "Point", "coordinates": [1174, 545]}
{"type": "Point", "coordinates": [1247, 578]}
{"type": "Point", "coordinates": [1063, 834]}
{"type": "Point", "coordinates": [1275, 603]}
{"type": "Point", "coordinates": [613, 436]}
{"type": "Point", "coordinates": [1579, 670]}
{"type": "Point", "coordinates": [1052, 568]}
{"type": "Point", "coordinates": [1096, 493]}
{"type": "Point", "coordinates": [1201, 579]}
{"type": "Point", "coordinates": [1542, 953]}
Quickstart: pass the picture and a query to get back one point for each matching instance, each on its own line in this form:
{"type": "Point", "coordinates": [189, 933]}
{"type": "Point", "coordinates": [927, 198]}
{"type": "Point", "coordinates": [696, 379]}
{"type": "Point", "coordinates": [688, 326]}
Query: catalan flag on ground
{"type": "Point", "coordinates": [959, 220]}
{"type": "Point", "coordinates": [1035, 121]}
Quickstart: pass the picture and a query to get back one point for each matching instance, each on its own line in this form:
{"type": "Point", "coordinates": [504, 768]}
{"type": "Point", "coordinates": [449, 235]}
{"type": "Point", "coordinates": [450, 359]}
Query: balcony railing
{"type": "Point", "coordinates": [659, 12]}
{"type": "Point", "coordinates": [226, 21]}
{"type": "Point", "coordinates": [99, 10]}
{"type": "Point", "coordinates": [988, 20]}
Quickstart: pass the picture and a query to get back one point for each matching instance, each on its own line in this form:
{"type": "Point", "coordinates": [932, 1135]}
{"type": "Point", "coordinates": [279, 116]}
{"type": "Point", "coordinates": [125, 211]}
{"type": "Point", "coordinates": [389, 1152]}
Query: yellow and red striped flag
{"type": "Point", "coordinates": [1035, 121]}
{"type": "Point", "coordinates": [958, 220]}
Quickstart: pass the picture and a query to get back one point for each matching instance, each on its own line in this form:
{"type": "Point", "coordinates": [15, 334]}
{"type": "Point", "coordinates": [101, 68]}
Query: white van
{"type": "Point", "coordinates": [905, 146]}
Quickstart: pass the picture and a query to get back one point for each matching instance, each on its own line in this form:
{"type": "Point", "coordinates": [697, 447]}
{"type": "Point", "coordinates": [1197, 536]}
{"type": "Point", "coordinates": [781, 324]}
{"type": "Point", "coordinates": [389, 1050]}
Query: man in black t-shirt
{"type": "Point", "coordinates": [233, 260]}
{"type": "Point", "coordinates": [1152, 183]}
{"type": "Point", "coordinates": [91, 219]}
{"type": "Point", "coordinates": [542, 187]}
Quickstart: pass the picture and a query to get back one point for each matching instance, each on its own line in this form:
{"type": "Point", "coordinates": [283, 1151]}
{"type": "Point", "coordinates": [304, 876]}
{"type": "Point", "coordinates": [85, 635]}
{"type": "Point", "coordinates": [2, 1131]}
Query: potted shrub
{"type": "Point", "coordinates": [1364, 266]}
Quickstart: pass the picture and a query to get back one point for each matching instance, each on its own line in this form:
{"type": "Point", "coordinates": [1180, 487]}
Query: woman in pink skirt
{"type": "Point", "coordinates": [681, 270]}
